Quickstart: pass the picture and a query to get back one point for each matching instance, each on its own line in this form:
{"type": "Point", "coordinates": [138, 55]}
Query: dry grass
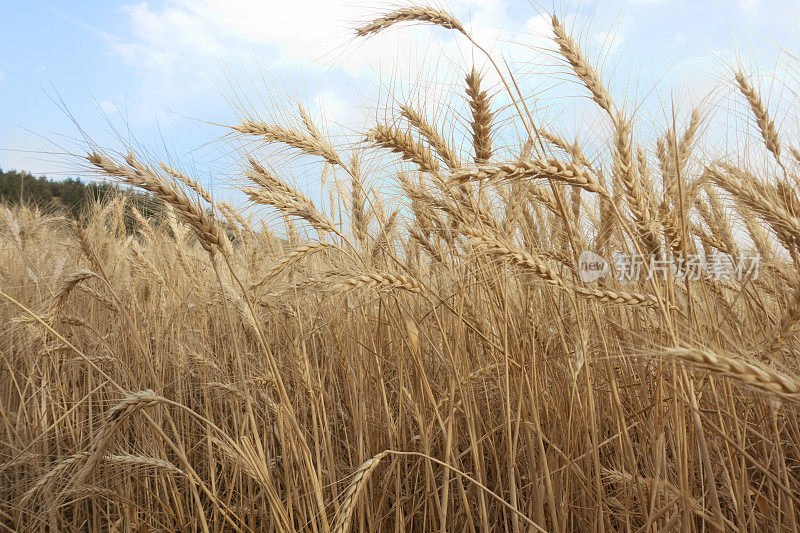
{"type": "Point", "coordinates": [442, 367]}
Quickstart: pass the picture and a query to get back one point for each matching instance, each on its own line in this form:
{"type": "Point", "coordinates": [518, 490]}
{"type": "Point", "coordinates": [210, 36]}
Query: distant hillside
{"type": "Point", "coordinates": [73, 196]}
{"type": "Point", "coordinates": [70, 195]}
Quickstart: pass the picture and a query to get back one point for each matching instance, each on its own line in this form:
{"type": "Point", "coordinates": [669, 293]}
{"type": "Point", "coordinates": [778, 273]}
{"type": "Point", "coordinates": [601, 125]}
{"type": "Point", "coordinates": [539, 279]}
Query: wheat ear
{"type": "Point", "coordinates": [568, 173]}
{"type": "Point", "coordinates": [144, 177]}
{"type": "Point", "coordinates": [354, 492]}
{"type": "Point", "coordinates": [571, 148]}
{"type": "Point", "coordinates": [189, 182]}
{"type": "Point", "coordinates": [430, 133]}
{"type": "Point", "coordinates": [627, 173]}
{"type": "Point", "coordinates": [765, 124]}
{"type": "Point", "coordinates": [274, 192]}
{"type": "Point", "coordinates": [482, 117]}
{"type": "Point", "coordinates": [759, 377]}
{"type": "Point", "coordinates": [759, 198]}
{"type": "Point", "coordinates": [617, 297]}
{"type": "Point", "coordinates": [423, 14]}
{"type": "Point", "coordinates": [144, 461]}
{"type": "Point", "coordinates": [68, 284]}
{"type": "Point", "coordinates": [293, 257]}
{"type": "Point", "coordinates": [317, 146]}
{"type": "Point", "coordinates": [506, 251]}
{"type": "Point", "coordinates": [789, 322]}
{"type": "Point", "coordinates": [404, 144]}
{"type": "Point", "coordinates": [582, 68]}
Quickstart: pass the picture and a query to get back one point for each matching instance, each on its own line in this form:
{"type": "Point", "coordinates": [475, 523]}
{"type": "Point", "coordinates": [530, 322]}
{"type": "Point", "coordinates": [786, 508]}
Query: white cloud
{"type": "Point", "coordinates": [610, 41]}
{"type": "Point", "coordinates": [177, 48]}
{"type": "Point", "coordinates": [750, 5]}
{"type": "Point", "coordinates": [186, 30]}
{"type": "Point", "coordinates": [312, 33]}
{"type": "Point", "coordinates": [108, 108]}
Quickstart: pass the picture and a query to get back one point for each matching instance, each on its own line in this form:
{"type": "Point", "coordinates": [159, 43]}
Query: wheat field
{"type": "Point", "coordinates": [431, 360]}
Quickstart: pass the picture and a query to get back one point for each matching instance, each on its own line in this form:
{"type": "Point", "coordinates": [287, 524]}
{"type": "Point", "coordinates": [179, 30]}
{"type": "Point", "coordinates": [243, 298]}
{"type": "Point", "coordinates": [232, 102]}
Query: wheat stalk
{"type": "Point", "coordinates": [189, 182]}
{"type": "Point", "coordinates": [789, 322]}
{"type": "Point", "coordinates": [274, 192]}
{"type": "Point", "coordinates": [626, 172]}
{"type": "Point", "coordinates": [758, 198]}
{"type": "Point", "coordinates": [378, 281]}
{"type": "Point", "coordinates": [617, 297]}
{"type": "Point", "coordinates": [144, 461]}
{"type": "Point", "coordinates": [68, 284]}
{"type": "Point", "coordinates": [144, 177]}
{"type": "Point", "coordinates": [515, 256]}
{"type": "Point", "coordinates": [291, 258]}
{"type": "Point", "coordinates": [571, 148]}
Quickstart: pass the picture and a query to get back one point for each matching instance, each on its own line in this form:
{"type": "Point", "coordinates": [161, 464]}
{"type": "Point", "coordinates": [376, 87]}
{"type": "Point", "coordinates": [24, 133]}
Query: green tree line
{"type": "Point", "coordinates": [70, 195]}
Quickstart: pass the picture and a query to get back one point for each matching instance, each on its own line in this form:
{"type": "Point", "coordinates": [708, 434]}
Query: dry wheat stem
{"type": "Point", "coordinates": [378, 281]}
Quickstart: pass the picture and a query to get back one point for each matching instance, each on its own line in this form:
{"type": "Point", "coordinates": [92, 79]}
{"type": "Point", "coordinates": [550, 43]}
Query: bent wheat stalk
{"type": "Point", "coordinates": [378, 281]}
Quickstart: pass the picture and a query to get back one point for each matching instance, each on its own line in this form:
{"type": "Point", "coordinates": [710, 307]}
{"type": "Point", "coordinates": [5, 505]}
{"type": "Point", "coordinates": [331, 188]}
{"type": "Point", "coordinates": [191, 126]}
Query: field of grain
{"type": "Point", "coordinates": [426, 360]}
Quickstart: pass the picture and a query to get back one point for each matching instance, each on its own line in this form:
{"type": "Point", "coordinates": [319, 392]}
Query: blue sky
{"type": "Point", "coordinates": [163, 73]}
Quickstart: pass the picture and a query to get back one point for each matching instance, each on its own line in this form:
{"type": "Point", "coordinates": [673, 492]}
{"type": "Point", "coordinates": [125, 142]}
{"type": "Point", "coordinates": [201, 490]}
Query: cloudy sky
{"type": "Point", "coordinates": [165, 73]}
